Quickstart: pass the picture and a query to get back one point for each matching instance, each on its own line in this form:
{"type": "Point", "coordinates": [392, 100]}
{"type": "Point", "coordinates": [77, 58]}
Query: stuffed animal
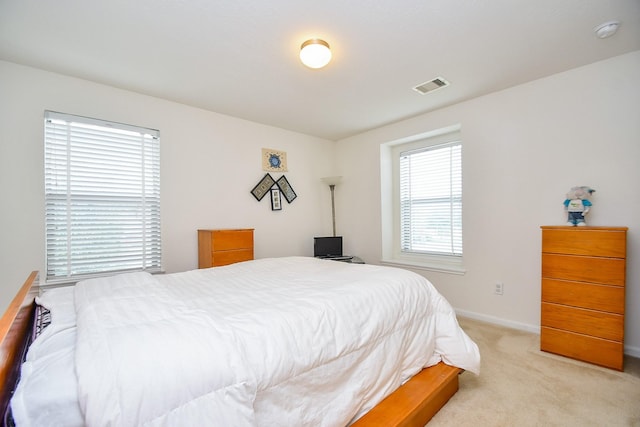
{"type": "Point", "coordinates": [577, 204]}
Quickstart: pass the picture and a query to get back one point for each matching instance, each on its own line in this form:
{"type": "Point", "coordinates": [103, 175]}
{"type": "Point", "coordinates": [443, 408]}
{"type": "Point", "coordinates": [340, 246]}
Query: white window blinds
{"type": "Point", "coordinates": [102, 197]}
{"type": "Point", "coordinates": [431, 200]}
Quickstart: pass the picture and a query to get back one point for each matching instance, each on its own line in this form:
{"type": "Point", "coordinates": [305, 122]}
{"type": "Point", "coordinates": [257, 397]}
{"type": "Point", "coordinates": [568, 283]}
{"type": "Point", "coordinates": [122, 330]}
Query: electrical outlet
{"type": "Point", "coordinates": [499, 290]}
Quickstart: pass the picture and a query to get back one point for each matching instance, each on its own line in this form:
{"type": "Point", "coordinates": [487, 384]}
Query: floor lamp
{"type": "Point", "coordinates": [332, 181]}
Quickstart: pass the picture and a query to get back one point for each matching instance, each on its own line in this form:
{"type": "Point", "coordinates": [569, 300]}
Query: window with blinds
{"type": "Point", "coordinates": [431, 200]}
{"type": "Point", "coordinates": [102, 197]}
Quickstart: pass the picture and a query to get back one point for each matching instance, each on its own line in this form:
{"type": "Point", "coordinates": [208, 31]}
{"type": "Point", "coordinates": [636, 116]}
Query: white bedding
{"type": "Point", "coordinates": [284, 341]}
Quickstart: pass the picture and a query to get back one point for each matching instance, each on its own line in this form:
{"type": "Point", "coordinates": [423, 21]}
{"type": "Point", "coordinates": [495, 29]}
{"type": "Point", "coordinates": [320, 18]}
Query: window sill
{"type": "Point", "coordinates": [453, 268]}
{"type": "Point", "coordinates": [71, 281]}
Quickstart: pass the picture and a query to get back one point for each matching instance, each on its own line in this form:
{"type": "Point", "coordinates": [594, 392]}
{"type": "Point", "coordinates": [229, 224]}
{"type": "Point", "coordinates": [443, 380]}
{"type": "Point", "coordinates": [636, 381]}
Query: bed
{"type": "Point", "coordinates": [281, 341]}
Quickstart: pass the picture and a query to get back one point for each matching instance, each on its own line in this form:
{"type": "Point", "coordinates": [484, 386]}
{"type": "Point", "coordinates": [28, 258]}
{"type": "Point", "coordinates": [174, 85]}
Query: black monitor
{"type": "Point", "coordinates": [327, 247]}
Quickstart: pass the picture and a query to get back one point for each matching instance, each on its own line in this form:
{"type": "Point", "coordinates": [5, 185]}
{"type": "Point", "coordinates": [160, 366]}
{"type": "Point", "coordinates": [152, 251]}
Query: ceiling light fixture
{"type": "Point", "coordinates": [607, 29]}
{"type": "Point", "coordinates": [315, 53]}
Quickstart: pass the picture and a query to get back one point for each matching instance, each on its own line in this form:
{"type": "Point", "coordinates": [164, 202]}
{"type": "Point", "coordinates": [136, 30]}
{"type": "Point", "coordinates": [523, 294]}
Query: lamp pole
{"type": "Point", "coordinates": [333, 208]}
{"type": "Point", "coordinates": [332, 181]}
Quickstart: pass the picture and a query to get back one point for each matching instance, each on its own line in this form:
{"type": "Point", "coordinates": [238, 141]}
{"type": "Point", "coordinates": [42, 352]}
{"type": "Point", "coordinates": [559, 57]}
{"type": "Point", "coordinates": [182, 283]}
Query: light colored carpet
{"type": "Point", "coordinates": [521, 386]}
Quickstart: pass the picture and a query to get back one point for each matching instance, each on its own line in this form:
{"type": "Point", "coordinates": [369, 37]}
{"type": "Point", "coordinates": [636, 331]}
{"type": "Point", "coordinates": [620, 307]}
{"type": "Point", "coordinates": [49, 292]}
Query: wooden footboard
{"type": "Point", "coordinates": [412, 405]}
{"type": "Point", "coordinates": [15, 327]}
{"type": "Point", "coordinates": [416, 401]}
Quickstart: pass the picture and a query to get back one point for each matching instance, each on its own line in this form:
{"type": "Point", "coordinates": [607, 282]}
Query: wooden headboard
{"type": "Point", "coordinates": [15, 327]}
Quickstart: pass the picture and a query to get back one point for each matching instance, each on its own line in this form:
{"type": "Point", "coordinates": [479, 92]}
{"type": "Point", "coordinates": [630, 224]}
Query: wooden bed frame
{"type": "Point", "coordinates": [411, 405]}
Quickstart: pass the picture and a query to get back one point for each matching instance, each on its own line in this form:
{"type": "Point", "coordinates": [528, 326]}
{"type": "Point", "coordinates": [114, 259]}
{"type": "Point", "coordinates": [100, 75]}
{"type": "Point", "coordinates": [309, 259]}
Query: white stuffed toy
{"type": "Point", "coordinates": [577, 204]}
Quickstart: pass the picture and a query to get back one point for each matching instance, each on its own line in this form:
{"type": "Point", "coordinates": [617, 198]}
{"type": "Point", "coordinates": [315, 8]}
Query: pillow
{"type": "Point", "coordinates": [47, 393]}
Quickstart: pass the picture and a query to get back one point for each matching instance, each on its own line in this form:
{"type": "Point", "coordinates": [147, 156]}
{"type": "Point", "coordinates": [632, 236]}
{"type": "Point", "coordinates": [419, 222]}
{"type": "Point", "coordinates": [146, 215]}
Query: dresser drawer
{"type": "Point", "coordinates": [224, 240]}
{"type": "Point", "coordinates": [230, 257]}
{"type": "Point", "coordinates": [579, 241]}
{"type": "Point", "coordinates": [585, 295]}
{"type": "Point", "coordinates": [598, 324]}
{"type": "Point", "coordinates": [610, 271]}
{"type": "Point", "coordinates": [582, 347]}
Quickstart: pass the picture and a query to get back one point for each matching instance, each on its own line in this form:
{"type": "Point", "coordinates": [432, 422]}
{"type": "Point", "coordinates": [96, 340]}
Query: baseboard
{"type": "Point", "coordinates": [632, 351]}
{"type": "Point", "coordinates": [499, 321]}
{"type": "Point", "coordinates": [628, 350]}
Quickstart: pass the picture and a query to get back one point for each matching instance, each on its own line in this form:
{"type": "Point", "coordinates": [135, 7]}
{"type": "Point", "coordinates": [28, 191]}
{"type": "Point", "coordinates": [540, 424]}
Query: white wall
{"type": "Point", "coordinates": [523, 148]}
{"type": "Point", "coordinates": [209, 164]}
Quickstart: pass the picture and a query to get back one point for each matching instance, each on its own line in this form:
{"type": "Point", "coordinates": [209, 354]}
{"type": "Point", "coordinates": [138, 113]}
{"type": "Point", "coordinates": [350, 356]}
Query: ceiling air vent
{"type": "Point", "coordinates": [431, 85]}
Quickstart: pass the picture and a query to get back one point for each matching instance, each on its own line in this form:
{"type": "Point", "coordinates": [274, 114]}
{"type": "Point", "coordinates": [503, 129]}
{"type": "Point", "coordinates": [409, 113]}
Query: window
{"type": "Point", "coordinates": [422, 202]}
{"type": "Point", "coordinates": [102, 198]}
{"type": "Point", "coordinates": [431, 200]}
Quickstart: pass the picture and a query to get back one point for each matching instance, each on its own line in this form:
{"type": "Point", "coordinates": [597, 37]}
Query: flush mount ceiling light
{"type": "Point", "coordinates": [607, 29]}
{"type": "Point", "coordinates": [315, 53]}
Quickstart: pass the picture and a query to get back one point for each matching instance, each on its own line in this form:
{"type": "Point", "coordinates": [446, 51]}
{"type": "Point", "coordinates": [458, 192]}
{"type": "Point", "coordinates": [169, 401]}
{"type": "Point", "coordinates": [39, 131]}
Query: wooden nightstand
{"type": "Point", "coordinates": [223, 247]}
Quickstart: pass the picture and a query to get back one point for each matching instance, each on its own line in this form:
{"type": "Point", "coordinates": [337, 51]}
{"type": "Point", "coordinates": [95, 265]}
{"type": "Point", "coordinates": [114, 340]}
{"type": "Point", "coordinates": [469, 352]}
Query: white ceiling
{"type": "Point", "coordinates": [241, 57]}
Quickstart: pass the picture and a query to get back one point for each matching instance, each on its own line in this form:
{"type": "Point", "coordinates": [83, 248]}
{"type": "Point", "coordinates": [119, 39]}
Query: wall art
{"type": "Point", "coordinates": [263, 187]}
{"type": "Point", "coordinates": [276, 200]}
{"type": "Point", "coordinates": [287, 190]}
{"type": "Point", "coordinates": [274, 160]}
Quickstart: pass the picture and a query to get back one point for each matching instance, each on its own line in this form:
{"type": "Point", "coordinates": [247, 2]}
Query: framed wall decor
{"type": "Point", "coordinates": [276, 200]}
{"type": "Point", "coordinates": [274, 160]}
{"type": "Point", "coordinates": [287, 190]}
{"type": "Point", "coordinates": [263, 187]}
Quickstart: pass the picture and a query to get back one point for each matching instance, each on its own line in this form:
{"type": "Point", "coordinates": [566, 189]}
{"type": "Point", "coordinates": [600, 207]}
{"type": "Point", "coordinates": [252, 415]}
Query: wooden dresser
{"type": "Point", "coordinates": [222, 247]}
{"type": "Point", "coordinates": [583, 287]}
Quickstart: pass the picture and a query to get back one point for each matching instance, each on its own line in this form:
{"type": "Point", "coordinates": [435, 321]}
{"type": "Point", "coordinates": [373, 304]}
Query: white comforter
{"type": "Point", "coordinates": [273, 342]}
